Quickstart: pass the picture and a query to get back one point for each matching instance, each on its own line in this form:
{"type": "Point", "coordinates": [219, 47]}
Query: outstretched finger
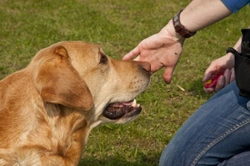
{"type": "Point", "coordinates": [167, 75]}
{"type": "Point", "coordinates": [133, 53]}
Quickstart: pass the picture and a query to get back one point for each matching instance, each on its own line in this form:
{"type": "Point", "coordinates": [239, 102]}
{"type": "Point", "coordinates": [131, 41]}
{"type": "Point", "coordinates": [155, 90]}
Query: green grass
{"type": "Point", "coordinates": [26, 26]}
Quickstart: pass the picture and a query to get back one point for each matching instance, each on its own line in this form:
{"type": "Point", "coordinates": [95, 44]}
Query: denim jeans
{"type": "Point", "coordinates": [218, 133]}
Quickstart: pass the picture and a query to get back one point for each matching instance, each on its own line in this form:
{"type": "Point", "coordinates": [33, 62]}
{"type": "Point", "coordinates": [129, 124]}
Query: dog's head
{"type": "Point", "coordinates": [81, 76]}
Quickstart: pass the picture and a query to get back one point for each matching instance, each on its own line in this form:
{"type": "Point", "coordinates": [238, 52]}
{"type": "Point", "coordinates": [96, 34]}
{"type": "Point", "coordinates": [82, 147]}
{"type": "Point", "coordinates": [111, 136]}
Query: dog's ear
{"type": "Point", "coordinates": [59, 83]}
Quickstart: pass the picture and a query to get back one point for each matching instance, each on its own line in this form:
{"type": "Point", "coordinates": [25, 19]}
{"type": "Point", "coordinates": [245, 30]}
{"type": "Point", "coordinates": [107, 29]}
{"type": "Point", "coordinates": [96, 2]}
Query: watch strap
{"type": "Point", "coordinates": [179, 28]}
{"type": "Point", "coordinates": [232, 50]}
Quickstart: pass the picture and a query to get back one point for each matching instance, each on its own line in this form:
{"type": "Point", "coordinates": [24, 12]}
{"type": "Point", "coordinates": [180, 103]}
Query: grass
{"type": "Point", "coordinates": [29, 25]}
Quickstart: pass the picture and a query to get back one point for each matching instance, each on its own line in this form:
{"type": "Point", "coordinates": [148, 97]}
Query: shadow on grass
{"type": "Point", "coordinates": [197, 89]}
{"type": "Point", "coordinates": [118, 160]}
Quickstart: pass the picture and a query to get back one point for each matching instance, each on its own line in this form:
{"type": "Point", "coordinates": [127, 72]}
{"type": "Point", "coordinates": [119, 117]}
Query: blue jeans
{"type": "Point", "coordinates": [218, 133]}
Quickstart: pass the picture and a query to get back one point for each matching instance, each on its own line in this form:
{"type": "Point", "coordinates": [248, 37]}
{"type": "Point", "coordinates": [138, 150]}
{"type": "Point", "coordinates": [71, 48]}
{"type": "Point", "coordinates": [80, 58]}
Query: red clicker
{"type": "Point", "coordinates": [212, 82]}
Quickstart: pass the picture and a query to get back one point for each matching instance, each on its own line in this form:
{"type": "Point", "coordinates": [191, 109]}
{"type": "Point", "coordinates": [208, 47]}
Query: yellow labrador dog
{"type": "Point", "coordinates": [48, 109]}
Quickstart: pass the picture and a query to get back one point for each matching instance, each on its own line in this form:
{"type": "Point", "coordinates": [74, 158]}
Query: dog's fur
{"type": "Point", "coordinates": [48, 109]}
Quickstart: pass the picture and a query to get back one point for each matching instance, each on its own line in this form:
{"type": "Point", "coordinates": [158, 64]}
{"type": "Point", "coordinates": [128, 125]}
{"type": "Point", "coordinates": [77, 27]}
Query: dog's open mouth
{"type": "Point", "coordinates": [117, 110]}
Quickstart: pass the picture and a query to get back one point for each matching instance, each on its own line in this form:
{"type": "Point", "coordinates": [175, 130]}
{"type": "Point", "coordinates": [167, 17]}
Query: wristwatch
{"type": "Point", "coordinates": [232, 50]}
{"type": "Point", "coordinates": [179, 28]}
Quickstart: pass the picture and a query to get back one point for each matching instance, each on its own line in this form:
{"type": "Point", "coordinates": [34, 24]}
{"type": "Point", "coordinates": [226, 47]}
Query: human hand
{"type": "Point", "coordinates": [223, 66]}
{"type": "Point", "coordinates": [161, 50]}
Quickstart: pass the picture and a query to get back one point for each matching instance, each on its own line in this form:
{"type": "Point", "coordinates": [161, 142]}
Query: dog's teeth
{"type": "Point", "coordinates": [134, 104]}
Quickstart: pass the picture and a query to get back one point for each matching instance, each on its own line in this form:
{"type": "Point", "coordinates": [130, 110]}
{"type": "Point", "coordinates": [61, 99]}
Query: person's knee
{"type": "Point", "coordinates": [241, 159]}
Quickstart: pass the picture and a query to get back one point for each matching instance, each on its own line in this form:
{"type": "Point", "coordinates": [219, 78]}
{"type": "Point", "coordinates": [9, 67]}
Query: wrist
{"type": "Point", "coordinates": [169, 29]}
{"type": "Point", "coordinates": [232, 51]}
{"type": "Point", "coordinates": [179, 28]}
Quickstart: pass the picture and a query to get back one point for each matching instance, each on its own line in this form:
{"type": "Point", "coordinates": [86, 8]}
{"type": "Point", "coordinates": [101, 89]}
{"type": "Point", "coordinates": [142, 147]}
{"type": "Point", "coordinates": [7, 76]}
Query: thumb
{"type": "Point", "coordinates": [209, 72]}
{"type": "Point", "coordinates": [167, 75]}
{"type": "Point", "coordinates": [135, 52]}
{"type": "Point", "coordinates": [207, 76]}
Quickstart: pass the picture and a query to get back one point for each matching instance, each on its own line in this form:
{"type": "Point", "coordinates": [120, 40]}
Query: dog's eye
{"type": "Point", "coordinates": [103, 59]}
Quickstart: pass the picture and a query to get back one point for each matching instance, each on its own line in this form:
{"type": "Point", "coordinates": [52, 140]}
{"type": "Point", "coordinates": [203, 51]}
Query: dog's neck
{"type": "Point", "coordinates": [68, 126]}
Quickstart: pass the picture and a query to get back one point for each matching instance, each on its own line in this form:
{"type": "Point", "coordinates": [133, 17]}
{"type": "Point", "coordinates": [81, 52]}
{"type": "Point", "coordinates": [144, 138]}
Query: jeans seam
{"type": "Point", "coordinates": [209, 146]}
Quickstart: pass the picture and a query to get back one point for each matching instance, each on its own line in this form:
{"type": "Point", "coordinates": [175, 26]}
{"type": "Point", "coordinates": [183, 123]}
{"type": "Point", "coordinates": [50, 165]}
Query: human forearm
{"type": "Point", "coordinates": [237, 45]}
{"type": "Point", "coordinates": [202, 13]}
{"type": "Point", "coordinates": [163, 49]}
{"type": "Point", "coordinates": [198, 15]}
